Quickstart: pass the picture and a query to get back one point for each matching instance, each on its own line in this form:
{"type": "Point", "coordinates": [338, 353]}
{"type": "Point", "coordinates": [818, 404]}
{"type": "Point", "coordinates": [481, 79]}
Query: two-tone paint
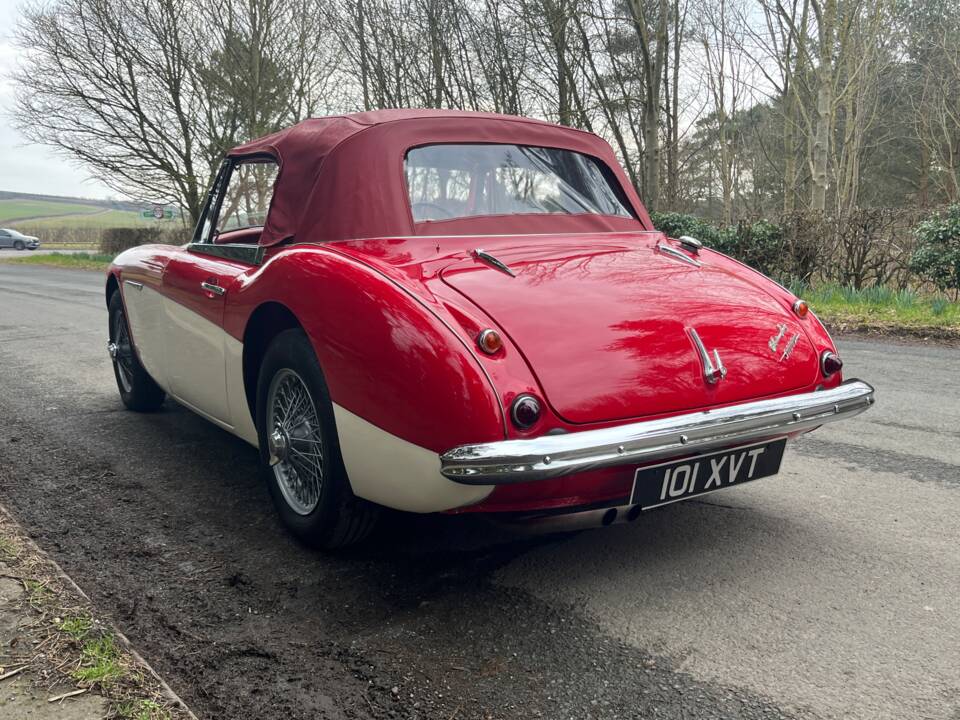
{"type": "Point", "coordinates": [604, 320]}
{"type": "Point", "coordinates": [595, 325]}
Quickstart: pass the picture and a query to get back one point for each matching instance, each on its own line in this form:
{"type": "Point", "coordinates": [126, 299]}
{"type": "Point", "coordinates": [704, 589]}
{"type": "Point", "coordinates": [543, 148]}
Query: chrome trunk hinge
{"type": "Point", "coordinates": [494, 262]}
{"type": "Point", "coordinates": [678, 254]}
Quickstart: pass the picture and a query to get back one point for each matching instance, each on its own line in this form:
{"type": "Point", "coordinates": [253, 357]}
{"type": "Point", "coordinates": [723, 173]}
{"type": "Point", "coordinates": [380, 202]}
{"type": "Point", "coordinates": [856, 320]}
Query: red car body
{"type": "Point", "coordinates": [614, 328]}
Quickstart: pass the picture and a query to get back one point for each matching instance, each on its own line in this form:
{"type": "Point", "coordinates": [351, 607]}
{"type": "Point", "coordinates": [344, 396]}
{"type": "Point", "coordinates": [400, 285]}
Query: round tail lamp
{"type": "Point", "coordinates": [801, 308]}
{"type": "Point", "coordinates": [830, 363]}
{"type": "Point", "coordinates": [490, 341]}
{"type": "Point", "coordinates": [525, 411]}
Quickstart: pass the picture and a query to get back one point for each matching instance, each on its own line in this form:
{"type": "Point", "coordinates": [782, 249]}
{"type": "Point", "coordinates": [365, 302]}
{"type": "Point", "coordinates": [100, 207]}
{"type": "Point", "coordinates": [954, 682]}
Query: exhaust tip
{"type": "Point", "coordinates": [609, 517]}
{"type": "Point", "coordinates": [633, 513]}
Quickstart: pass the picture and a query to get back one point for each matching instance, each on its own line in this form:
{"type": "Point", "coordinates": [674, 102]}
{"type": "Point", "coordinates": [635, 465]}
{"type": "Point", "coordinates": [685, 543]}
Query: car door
{"type": "Point", "coordinates": [6, 240]}
{"type": "Point", "coordinates": [196, 284]}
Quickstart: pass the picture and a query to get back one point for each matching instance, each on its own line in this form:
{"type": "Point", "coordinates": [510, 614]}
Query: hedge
{"type": "Point", "coordinates": [114, 241]}
{"type": "Point", "coordinates": [863, 248]}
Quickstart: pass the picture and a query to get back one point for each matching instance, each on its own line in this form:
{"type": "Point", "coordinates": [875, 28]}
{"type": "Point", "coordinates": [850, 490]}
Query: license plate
{"type": "Point", "coordinates": [678, 480]}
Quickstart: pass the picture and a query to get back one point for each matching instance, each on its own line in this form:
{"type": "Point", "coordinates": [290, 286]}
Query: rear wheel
{"type": "Point", "coordinates": [299, 450]}
{"type": "Point", "coordinates": [19, 245]}
{"type": "Point", "coordinates": [137, 389]}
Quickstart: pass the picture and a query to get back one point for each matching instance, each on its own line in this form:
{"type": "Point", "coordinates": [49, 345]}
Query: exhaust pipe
{"type": "Point", "coordinates": [583, 520]}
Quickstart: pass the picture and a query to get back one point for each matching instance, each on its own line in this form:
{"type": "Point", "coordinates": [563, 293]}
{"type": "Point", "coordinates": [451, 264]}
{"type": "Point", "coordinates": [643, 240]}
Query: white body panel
{"type": "Point", "coordinates": [145, 314]}
{"type": "Point", "coordinates": [195, 361]}
{"type": "Point", "coordinates": [390, 471]}
{"type": "Point", "coordinates": [191, 358]}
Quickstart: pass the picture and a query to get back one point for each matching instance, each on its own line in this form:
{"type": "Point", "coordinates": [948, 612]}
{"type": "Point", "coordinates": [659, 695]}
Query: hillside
{"type": "Point", "coordinates": [38, 213]}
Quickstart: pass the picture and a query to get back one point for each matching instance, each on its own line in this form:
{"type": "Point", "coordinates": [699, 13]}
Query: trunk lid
{"type": "Point", "coordinates": [607, 324]}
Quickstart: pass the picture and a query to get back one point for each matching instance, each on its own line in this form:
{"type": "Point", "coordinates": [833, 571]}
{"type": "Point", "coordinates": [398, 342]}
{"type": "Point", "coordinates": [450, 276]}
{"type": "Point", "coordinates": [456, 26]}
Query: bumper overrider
{"type": "Point", "coordinates": [548, 456]}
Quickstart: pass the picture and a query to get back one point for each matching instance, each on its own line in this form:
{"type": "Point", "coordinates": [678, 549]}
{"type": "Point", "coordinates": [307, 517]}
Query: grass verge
{"type": "Point", "coordinates": [77, 261]}
{"type": "Point", "coordinates": [883, 310]}
{"type": "Point", "coordinates": [78, 649]}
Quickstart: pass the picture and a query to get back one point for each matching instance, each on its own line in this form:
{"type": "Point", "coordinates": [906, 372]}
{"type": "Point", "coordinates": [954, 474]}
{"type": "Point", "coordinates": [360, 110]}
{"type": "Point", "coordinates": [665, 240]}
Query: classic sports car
{"type": "Point", "coordinates": [460, 312]}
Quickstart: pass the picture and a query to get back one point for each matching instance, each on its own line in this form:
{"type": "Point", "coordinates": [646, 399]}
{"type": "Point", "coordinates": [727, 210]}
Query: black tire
{"type": "Point", "coordinates": [18, 245]}
{"type": "Point", "coordinates": [137, 389]}
{"type": "Point", "coordinates": [331, 516]}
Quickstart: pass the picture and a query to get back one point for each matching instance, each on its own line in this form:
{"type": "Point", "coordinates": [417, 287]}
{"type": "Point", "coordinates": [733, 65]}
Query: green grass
{"type": "Point", "coordinates": [7, 549]}
{"type": "Point", "coordinates": [77, 261]}
{"type": "Point", "coordinates": [76, 627]}
{"type": "Point", "coordinates": [142, 710]}
{"type": "Point", "coordinates": [96, 219]}
{"type": "Point", "coordinates": [12, 210]}
{"type": "Point", "coordinates": [99, 661]}
{"type": "Point", "coordinates": [881, 307]}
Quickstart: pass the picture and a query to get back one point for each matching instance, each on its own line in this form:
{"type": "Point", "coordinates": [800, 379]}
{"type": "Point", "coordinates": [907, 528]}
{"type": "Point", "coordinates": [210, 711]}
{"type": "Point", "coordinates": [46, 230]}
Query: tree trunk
{"type": "Point", "coordinates": [824, 119]}
{"type": "Point", "coordinates": [789, 154]}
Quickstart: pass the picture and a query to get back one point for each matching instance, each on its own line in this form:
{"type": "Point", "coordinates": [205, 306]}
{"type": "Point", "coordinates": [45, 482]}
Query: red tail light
{"type": "Point", "coordinates": [830, 363]}
{"type": "Point", "coordinates": [525, 411]}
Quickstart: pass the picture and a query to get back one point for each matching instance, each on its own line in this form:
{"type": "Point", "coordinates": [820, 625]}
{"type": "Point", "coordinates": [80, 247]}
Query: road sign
{"type": "Point", "coordinates": [159, 212]}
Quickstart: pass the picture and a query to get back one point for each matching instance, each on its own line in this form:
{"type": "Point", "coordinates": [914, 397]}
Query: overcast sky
{"type": "Point", "coordinates": [31, 168]}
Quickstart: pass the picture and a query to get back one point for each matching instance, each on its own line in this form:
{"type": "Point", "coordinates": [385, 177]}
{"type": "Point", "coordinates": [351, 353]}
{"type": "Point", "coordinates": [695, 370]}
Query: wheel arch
{"type": "Point", "coordinates": [112, 286]}
{"type": "Point", "coordinates": [268, 320]}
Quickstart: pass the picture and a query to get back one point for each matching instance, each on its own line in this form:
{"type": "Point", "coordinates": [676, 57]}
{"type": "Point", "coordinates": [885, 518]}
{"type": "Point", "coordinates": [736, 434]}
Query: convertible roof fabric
{"type": "Point", "coordinates": [342, 177]}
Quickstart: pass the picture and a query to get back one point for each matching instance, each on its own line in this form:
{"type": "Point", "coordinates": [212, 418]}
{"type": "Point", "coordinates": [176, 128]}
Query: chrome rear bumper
{"type": "Point", "coordinates": [512, 461]}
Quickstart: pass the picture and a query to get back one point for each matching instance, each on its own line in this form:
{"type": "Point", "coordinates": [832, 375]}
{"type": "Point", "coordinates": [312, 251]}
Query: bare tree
{"type": "Point", "coordinates": [148, 99]}
{"type": "Point", "coordinates": [721, 38]}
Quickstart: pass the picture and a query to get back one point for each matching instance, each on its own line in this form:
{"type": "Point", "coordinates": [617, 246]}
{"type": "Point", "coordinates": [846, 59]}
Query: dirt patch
{"type": "Point", "coordinates": [57, 659]}
{"type": "Point", "coordinates": [932, 334]}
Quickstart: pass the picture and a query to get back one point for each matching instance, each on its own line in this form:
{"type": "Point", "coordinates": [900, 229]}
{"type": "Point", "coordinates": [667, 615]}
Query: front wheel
{"type": "Point", "coordinates": [19, 245]}
{"type": "Point", "coordinates": [137, 389]}
{"type": "Point", "coordinates": [299, 449]}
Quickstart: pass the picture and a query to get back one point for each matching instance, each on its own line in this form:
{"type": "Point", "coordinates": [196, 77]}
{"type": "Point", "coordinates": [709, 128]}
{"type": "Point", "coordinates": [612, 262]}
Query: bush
{"type": "Point", "coordinates": [115, 240]}
{"type": "Point", "coordinates": [861, 248]}
{"type": "Point", "coordinates": [677, 224]}
{"type": "Point", "coordinates": [759, 244]}
{"type": "Point", "coordinates": [937, 257]}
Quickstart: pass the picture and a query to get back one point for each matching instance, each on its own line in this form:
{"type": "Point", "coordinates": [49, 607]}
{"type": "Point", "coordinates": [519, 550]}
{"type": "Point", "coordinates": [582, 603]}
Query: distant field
{"type": "Point", "coordinates": [96, 219]}
{"type": "Point", "coordinates": [13, 210]}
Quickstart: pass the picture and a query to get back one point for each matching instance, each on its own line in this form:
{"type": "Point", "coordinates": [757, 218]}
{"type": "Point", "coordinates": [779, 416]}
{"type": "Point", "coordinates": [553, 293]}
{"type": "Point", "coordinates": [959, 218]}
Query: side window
{"type": "Point", "coordinates": [248, 195]}
{"type": "Point", "coordinates": [240, 201]}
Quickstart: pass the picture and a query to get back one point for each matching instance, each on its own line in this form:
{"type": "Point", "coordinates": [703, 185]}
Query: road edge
{"type": "Point", "coordinates": [62, 575]}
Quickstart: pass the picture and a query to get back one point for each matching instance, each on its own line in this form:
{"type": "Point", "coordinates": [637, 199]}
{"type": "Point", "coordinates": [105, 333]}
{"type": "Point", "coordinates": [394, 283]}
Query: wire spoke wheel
{"type": "Point", "coordinates": [122, 352]}
{"type": "Point", "coordinates": [294, 441]}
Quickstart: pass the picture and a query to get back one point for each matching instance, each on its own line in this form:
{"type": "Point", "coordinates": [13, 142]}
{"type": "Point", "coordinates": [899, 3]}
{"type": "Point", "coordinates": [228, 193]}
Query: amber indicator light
{"type": "Point", "coordinates": [490, 341]}
{"type": "Point", "coordinates": [801, 308]}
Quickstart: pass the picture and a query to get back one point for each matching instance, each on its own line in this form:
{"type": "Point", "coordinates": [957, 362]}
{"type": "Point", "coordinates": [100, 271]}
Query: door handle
{"type": "Point", "coordinates": [212, 288]}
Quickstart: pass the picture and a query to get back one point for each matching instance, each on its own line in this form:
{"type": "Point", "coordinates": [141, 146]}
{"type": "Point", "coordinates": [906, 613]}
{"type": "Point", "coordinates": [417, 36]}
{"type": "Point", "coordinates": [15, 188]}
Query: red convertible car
{"type": "Point", "coordinates": [460, 312]}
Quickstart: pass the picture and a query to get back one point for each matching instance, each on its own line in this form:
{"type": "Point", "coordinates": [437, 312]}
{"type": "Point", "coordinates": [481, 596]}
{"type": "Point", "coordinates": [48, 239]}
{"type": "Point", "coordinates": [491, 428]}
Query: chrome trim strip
{"type": "Point", "coordinates": [678, 254]}
{"type": "Point", "coordinates": [512, 461]}
{"type": "Point", "coordinates": [133, 284]}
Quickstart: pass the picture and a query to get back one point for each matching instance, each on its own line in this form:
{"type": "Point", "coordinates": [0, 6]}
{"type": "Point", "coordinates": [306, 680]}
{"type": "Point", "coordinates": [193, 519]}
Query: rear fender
{"type": "Point", "coordinates": [386, 357]}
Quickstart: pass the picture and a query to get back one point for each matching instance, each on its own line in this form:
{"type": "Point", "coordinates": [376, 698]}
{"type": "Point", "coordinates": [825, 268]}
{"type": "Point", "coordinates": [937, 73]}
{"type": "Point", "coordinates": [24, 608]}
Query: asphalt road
{"type": "Point", "coordinates": [830, 591]}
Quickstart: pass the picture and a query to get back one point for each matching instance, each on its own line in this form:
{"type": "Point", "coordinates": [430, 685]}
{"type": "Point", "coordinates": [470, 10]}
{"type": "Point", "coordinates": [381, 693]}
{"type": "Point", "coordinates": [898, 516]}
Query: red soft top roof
{"type": "Point", "coordinates": [341, 177]}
